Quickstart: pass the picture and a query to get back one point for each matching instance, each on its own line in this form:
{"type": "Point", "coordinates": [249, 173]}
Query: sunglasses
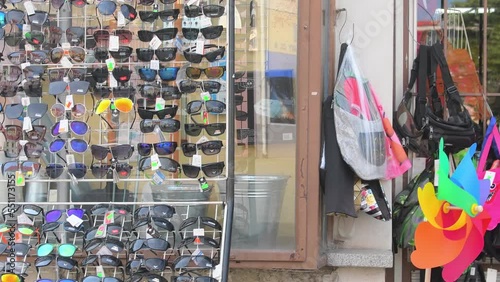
{"type": "Point", "coordinates": [33, 71]}
{"type": "Point", "coordinates": [202, 220]}
{"type": "Point", "coordinates": [55, 215]}
{"type": "Point", "coordinates": [213, 129]}
{"type": "Point", "coordinates": [122, 74]}
{"type": "Point", "coordinates": [163, 211]}
{"type": "Point", "coordinates": [140, 276]}
{"type": "Point", "coordinates": [190, 86]}
{"type": "Point", "coordinates": [78, 170]}
{"type": "Point", "coordinates": [211, 11]}
{"type": "Point", "coordinates": [210, 72]}
{"type": "Point", "coordinates": [106, 7]}
{"type": "Point", "coordinates": [161, 148]}
{"type": "Point", "coordinates": [77, 127]}
{"type": "Point", "coordinates": [118, 152]}
{"type": "Point", "coordinates": [15, 133]}
{"type": "Point", "coordinates": [198, 241]}
{"type": "Point", "coordinates": [31, 150]}
{"type": "Point", "coordinates": [33, 88]}
{"type": "Point", "coordinates": [76, 145]}
{"type": "Point", "coordinates": [208, 148]}
{"type": "Point", "coordinates": [76, 53]}
{"type": "Point", "coordinates": [18, 249]}
{"type": "Point", "coordinates": [63, 250]}
{"type": "Point", "coordinates": [210, 170]}
{"type": "Point", "coordinates": [238, 100]}
{"type": "Point", "coordinates": [93, 278]}
{"type": "Point", "coordinates": [166, 125]}
{"type": "Point", "coordinates": [58, 110]}
{"type": "Point", "coordinates": [193, 279]}
{"type": "Point", "coordinates": [166, 15]}
{"type": "Point", "coordinates": [102, 259]}
{"type": "Point", "coordinates": [62, 262]}
{"type": "Point", "coordinates": [102, 209]}
{"type": "Point", "coordinates": [29, 168]}
{"type": "Point", "coordinates": [211, 106]}
{"type": "Point", "coordinates": [35, 37]}
{"type": "Point", "coordinates": [15, 16]}
{"type": "Point", "coordinates": [198, 261]}
{"type": "Point", "coordinates": [112, 244]}
{"type": "Point", "coordinates": [57, 4]}
{"type": "Point", "coordinates": [101, 54]}
{"type": "Point", "coordinates": [111, 230]}
{"type": "Point", "coordinates": [210, 32]}
{"type": "Point", "coordinates": [149, 264]}
{"type": "Point", "coordinates": [122, 55]}
{"type": "Point", "coordinates": [211, 56]}
{"type": "Point", "coordinates": [17, 57]}
{"type": "Point", "coordinates": [165, 54]}
{"type": "Point", "coordinates": [58, 74]}
{"type": "Point", "coordinates": [124, 92]}
{"type": "Point", "coordinates": [75, 35]}
{"type": "Point", "coordinates": [55, 35]}
{"type": "Point", "coordinates": [166, 164]}
{"type": "Point", "coordinates": [153, 244]}
{"type": "Point", "coordinates": [162, 34]}
{"type": "Point", "coordinates": [168, 112]}
{"type": "Point", "coordinates": [243, 133]}
{"type": "Point", "coordinates": [241, 115]}
{"type": "Point", "coordinates": [21, 228]}
{"type": "Point", "coordinates": [166, 74]}
{"type": "Point", "coordinates": [77, 87]}
{"type": "Point", "coordinates": [101, 170]}
{"type": "Point", "coordinates": [34, 110]}
{"type": "Point", "coordinates": [28, 209]}
{"type": "Point", "coordinates": [38, 18]}
{"type": "Point", "coordinates": [158, 222]}
{"type": "Point", "coordinates": [51, 226]}
{"type": "Point", "coordinates": [100, 75]}
{"type": "Point", "coordinates": [123, 105]}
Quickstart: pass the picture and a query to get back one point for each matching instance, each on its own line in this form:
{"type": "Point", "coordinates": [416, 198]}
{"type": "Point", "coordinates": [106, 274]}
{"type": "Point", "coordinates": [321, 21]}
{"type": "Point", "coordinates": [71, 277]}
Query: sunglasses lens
{"type": "Point", "coordinates": [187, 86]}
{"type": "Point", "coordinates": [213, 11]}
{"type": "Point", "coordinates": [124, 105]}
{"type": "Point", "coordinates": [164, 210]}
{"type": "Point", "coordinates": [57, 87]}
{"type": "Point", "coordinates": [33, 88]}
{"type": "Point", "coordinates": [17, 58]}
{"type": "Point", "coordinates": [216, 129]}
{"type": "Point", "coordinates": [166, 33]}
{"type": "Point", "coordinates": [37, 133]}
{"type": "Point", "coordinates": [26, 230]}
{"type": "Point", "coordinates": [214, 72]}
{"type": "Point", "coordinates": [166, 54]}
{"type": "Point", "coordinates": [148, 16]}
{"type": "Point", "coordinates": [168, 74]}
{"type": "Point", "coordinates": [14, 111]}
{"type": "Point", "coordinates": [79, 127]}
{"type": "Point", "coordinates": [102, 106]}
{"type": "Point", "coordinates": [106, 8]}
{"type": "Point", "coordinates": [79, 145]}
{"type": "Point", "coordinates": [190, 33]}
{"type": "Point", "coordinates": [190, 171]}
{"type": "Point", "coordinates": [10, 277]}
{"type": "Point", "coordinates": [189, 149]}
{"type": "Point", "coordinates": [215, 55]}
{"type": "Point", "coordinates": [144, 149]}
{"type": "Point", "coordinates": [54, 170]}
{"type": "Point", "coordinates": [147, 126]}
{"type": "Point", "coordinates": [215, 107]}
{"type": "Point", "coordinates": [211, 147]}
{"type": "Point", "coordinates": [67, 250]}
{"type": "Point", "coordinates": [165, 148]}
{"type": "Point", "coordinates": [15, 16]}
{"type": "Point", "coordinates": [35, 38]}
{"type": "Point", "coordinates": [77, 54]}
{"type": "Point", "coordinates": [212, 32]}
{"type": "Point", "coordinates": [128, 12]}
{"type": "Point", "coordinates": [53, 216]}
{"type": "Point", "coordinates": [147, 74]}
{"type": "Point", "coordinates": [101, 37]}
{"type": "Point", "coordinates": [169, 15]}
{"type": "Point", "coordinates": [79, 87]}
{"type": "Point", "coordinates": [76, 212]}
{"type": "Point", "coordinates": [77, 169]}
{"type": "Point", "coordinates": [194, 106]}
{"type": "Point", "coordinates": [122, 152]}
{"type": "Point", "coordinates": [99, 171]}
{"type": "Point", "coordinates": [78, 110]}
{"type": "Point", "coordinates": [38, 18]}
{"type": "Point", "coordinates": [13, 132]}
{"type": "Point", "coordinates": [169, 125]}
{"type": "Point", "coordinates": [193, 73]}
{"type": "Point", "coordinates": [99, 152]}
{"type": "Point", "coordinates": [212, 170]}
{"type": "Point", "coordinates": [44, 250]}
{"type": "Point", "coordinates": [211, 86]}
{"type": "Point", "coordinates": [192, 129]}
{"type": "Point", "coordinates": [145, 114]}
{"type": "Point", "coordinates": [57, 145]}
{"type": "Point", "coordinates": [149, 91]}
{"type": "Point", "coordinates": [37, 110]}
{"type": "Point", "coordinates": [145, 35]}
{"type": "Point", "coordinates": [144, 54]}
{"type": "Point", "coordinates": [192, 11]}
{"type": "Point", "coordinates": [33, 150]}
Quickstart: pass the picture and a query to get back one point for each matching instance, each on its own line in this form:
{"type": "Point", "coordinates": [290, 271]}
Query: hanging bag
{"type": "Point", "coordinates": [359, 128]}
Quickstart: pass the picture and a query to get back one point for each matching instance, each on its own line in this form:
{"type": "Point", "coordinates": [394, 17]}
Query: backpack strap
{"type": "Point", "coordinates": [421, 100]}
{"type": "Point", "coordinates": [436, 105]}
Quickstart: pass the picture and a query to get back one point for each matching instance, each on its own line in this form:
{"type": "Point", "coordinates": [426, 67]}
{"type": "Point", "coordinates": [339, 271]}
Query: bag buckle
{"type": "Point", "coordinates": [452, 89]}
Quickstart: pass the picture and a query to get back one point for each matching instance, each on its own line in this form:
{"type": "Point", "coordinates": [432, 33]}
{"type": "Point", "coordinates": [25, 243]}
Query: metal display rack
{"type": "Point", "coordinates": [219, 210]}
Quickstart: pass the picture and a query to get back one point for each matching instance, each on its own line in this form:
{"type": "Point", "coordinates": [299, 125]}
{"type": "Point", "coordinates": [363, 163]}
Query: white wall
{"type": "Point", "coordinates": [374, 48]}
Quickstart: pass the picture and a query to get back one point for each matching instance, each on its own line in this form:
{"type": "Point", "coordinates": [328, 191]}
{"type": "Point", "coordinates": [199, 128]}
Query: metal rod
{"type": "Point", "coordinates": [122, 203]}
{"type": "Point", "coordinates": [111, 180]}
{"type": "Point", "coordinates": [228, 221]}
{"type": "Point", "coordinates": [485, 62]}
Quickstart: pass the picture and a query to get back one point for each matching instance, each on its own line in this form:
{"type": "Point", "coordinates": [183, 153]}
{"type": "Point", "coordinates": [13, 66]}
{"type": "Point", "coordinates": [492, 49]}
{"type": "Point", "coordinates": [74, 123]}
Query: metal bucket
{"type": "Point", "coordinates": [258, 200]}
{"type": "Point", "coordinates": [172, 192]}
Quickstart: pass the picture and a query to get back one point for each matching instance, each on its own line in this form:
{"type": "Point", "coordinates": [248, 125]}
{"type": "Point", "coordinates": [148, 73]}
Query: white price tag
{"type": "Point", "coordinates": [30, 9]}
{"type": "Point", "coordinates": [436, 170]}
{"type": "Point", "coordinates": [205, 21]}
{"type": "Point", "coordinates": [114, 43]}
{"type": "Point", "coordinates": [99, 269]}
{"type": "Point", "coordinates": [192, 2]}
{"type": "Point", "coordinates": [25, 101]}
{"type": "Point", "coordinates": [27, 124]}
{"type": "Point", "coordinates": [154, 64]}
{"type": "Point", "coordinates": [66, 45]}
{"type": "Point", "coordinates": [65, 62]}
{"type": "Point", "coordinates": [203, 139]}
{"type": "Point", "coordinates": [104, 251]}
{"type": "Point", "coordinates": [196, 161]}
{"type": "Point", "coordinates": [121, 20]}
{"type": "Point", "coordinates": [198, 232]}
{"type": "Point", "coordinates": [26, 29]}
{"type": "Point", "coordinates": [101, 231]}
{"type": "Point", "coordinates": [155, 43]}
{"type": "Point", "coordinates": [70, 158]}
{"type": "Point", "coordinates": [68, 104]}
{"type": "Point", "coordinates": [66, 79]}
{"type": "Point", "coordinates": [112, 81]}
{"type": "Point", "coordinates": [205, 96]}
{"type": "Point", "coordinates": [25, 65]}
{"type": "Point", "coordinates": [160, 104]}
{"type": "Point", "coordinates": [490, 175]}
{"type": "Point", "coordinates": [491, 275]}
{"type": "Point", "coordinates": [110, 63]}
{"type": "Point", "coordinates": [28, 47]}
{"type": "Point", "coordinates": [63, 126]}
{"type": "Point", "coordinates": [155, 162]}
{"type": "Point", "coordinates": [74, 220]}
{"type": "Point", "coordinates": [200, 46]}
{"type": "Point", "coordinates": [24, 219]}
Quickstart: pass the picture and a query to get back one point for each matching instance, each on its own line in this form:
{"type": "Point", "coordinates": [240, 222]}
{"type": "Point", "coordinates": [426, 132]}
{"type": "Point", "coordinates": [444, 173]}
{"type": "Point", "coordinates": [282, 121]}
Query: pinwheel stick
{"type": "Point", "coordinates": [474, 208]}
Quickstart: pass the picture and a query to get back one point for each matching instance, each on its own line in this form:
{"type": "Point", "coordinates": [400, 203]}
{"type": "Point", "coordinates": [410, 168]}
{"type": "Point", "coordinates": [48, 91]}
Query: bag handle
{"type": "Point", "coordinates": [486, 148]}
{"type": "Point", "coordinates": [421, 101]}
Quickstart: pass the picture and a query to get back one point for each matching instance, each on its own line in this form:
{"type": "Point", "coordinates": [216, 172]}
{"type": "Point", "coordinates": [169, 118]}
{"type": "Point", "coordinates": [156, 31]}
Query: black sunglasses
{"type": "Point", "coordinates": [210, 169]}
{"type": "Point", "coordinates": [101, 209]}
{"type": "Point", "coordinates": [210, 32]}
{"type": "Point", "coordinates": [163, 211]}
{"type": "Point", "coordinates": [101, 170]}
{"type": "Point", "coordinates": [55, 170]}
{"type": "Point", "coordinates": [162, 34]}
{"type": "Point", "coordinates": [212, 147]}
{"type": "Point", "coordinates": [161, 148]}
{"type": "Point", "coordinates": [153, 244]}
{"type": "Point", "coordinates": [166, 164]}
{"type": "Point", "coordinates": [112, 244]}
{"type": "Point", "coordinates": [211, 11]}
{"type": "Point", "coordinates": [166, 125]}
{"type": "Point", "coordinates": [198, 261]}
{"type": "Point", "coordinates": [164, 54]}
{"type": "Point", "coordinates": [118, 152]}
{"type": "Point", "coordinates": [203, 220]}
{"type": "Point", "coordinates": [213, 129]}
{"type": "Point", "coordinates": [149, 264]}
{"type": "Point", "coordinates": [190, 86]}
{"type": "Point", "coordinates": [211, 106]}
{"type": "Point", "coordinates": [168, 112]}
{"type": "Point", "coordinates": [211, 56]}
{"type": "Point", "coordinates": [166, 15]}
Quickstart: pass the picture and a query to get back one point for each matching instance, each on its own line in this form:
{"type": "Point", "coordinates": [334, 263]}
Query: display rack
{"type": "Point", "coordinates": [107, 129]}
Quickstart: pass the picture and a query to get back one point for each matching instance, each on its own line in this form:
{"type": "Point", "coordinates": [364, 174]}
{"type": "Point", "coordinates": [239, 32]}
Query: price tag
{"type": "Point", "coordinates": [20, 180]}
{"type": "Point", "coordinates": [203, 139]}
{"type": "Point", "coordinates": [198, 232]}
{"type": "Point", "coordinates": [114, 43]}
{"type": "Point", "coordinates": [66, 79]}
{"type": "Point", "coordinates": [25, 65]}
{"type": "Point", "coordinates": [70, 158]}
{"type": "Point", "coordinates": [68, 104]}
{"type": "Point", "coordinates": [101, 231]}
{"type": "Point", "coordinates": [158, 178]}
{"type": "Point", "coordinates": [197, 259]}
{"type": "Point", "coordinates": [490, 175]}
{"type": "Point", "coordinates": [191, 2]}
{"type": "Point", "coordinates": [66, 46]}
{"type": "Point", "coordinates": [160, 104]}
{"type": "Point", "coordinates": [28, 47]}
{"type": "Point", "coordinates": [104, 251]}
{"type": "Point", "coordinates": [65, 62]}
{"type": "Point", "coordinates": [121, 20]}
{"type": "Point", "coordinates": [27, 124]}
{"type": "Point", "coordinates": [109, 217]}
{"type": "Point", "coordinates": [155, 43]}
{"type": "Point", "coordinates": [203, 184]}
{"type": "Point", "coordinates": [26, 29]}
{"type": "Point", "coordinates": [205, 21]}
{"type": "Point", "coordinates": [196, 161]}
{"type": "Point", "coordinates": [155, 162]}
{"type": "Point", "coordinates": [24, 219]}
{"type": "Point", "coordinates": [200, 46]}
{"type": "Point", "coordinates": [436, 170]}
{"type": "Point", "coordinates": [74, 220]}
{"type": "Point", "coordinates": [30, 8]}
{"type": "Point", "coordinates": [110, 63]}
{"type": "Point", "coordinates": [25, 101]}
{"type": "Point", "coordinates": [205, 96]}
{"type": "Point", "coordinates": [154, 65]}
{"type": "Point", "coordinates": [112, 81]}
{"type": "Point", "coordinates": [99, 269]}
{"type": "Point", "coordinates": [491, 275]}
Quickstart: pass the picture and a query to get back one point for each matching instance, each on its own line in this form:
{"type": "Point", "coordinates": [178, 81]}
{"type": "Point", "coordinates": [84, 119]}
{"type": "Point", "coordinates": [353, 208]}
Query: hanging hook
{"type": "Point", "coordinates": [343, 24]}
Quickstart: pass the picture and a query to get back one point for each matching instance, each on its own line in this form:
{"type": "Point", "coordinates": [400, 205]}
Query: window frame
{"type": "Point", "coordinates": [307, 201]}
